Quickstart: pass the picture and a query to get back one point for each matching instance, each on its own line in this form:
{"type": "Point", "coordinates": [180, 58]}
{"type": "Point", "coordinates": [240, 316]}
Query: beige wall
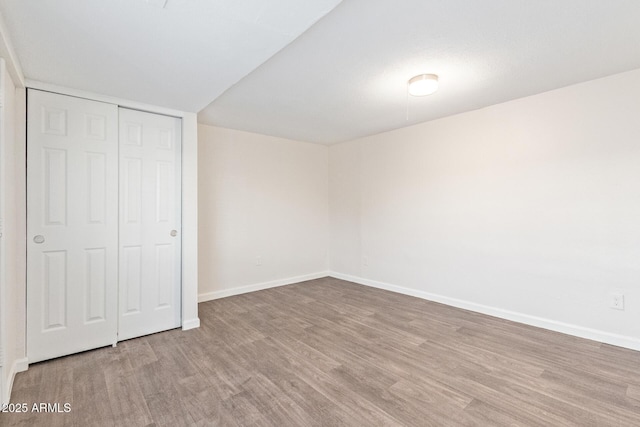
{"type": "Point", "coordinates": [264, 197]}
{"type": "Point", "coordinates": [13, 182]}
{"type": "Point", "coordinates": [529, 209]}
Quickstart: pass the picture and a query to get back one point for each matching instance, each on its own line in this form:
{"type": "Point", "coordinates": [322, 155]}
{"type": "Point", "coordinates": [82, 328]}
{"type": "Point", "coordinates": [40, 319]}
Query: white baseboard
{"type": "Point", "coordinates": [208, 296]}
{"type": "Point", "coordinates": [22, 365]}
{"type": "Point", "coordinates": [190, 324]}
{"type": "Point", "coordinates": [19, 365]}
{"type": "Point", "coordinates": [552, 325]}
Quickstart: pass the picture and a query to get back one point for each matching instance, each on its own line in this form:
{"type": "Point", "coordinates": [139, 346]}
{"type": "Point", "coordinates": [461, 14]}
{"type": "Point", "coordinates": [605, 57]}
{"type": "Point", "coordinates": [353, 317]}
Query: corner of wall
{"type": "Point", "coordinates": [190, 221]}
{"type": "Point", "coordinates": [7, 52]}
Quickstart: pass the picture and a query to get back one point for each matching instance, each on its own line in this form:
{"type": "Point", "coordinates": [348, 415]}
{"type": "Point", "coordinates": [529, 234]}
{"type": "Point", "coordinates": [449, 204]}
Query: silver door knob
{"type": "Point", "coordinates": [39, 239]}
{"type": "Point", "coordinates": [173, 233]}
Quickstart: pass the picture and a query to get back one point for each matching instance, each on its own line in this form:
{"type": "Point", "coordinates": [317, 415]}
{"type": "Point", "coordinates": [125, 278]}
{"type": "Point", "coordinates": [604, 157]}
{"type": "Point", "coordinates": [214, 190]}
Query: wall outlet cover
{"type": "Point", "coordinates": [617, 301]}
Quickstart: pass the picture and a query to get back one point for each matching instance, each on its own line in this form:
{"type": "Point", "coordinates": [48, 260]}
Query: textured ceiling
{"type": "Point", "coordinates": [346, 76]}
{"type": "Point", "coordinates": [182, 56]}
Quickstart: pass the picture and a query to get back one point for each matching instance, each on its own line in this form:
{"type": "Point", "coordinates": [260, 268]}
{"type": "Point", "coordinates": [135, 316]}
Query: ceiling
{"type": "Point", "coordinates": [182, 56]}
{"type": "Point", "coordinates": [346, 77]}
{"type": "Point", "coordinates": [322, 71]}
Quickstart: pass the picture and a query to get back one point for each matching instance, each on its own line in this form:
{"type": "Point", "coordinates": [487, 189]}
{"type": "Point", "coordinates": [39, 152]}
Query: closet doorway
{"type": "Point", "coordinates": [103, 224]}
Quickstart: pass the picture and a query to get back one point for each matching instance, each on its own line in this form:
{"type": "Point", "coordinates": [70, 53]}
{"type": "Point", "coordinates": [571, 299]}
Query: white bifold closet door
{"type": "Point", "coordinates": [103, 220]}
{"type": "Point", "coordinates": [149, 223]}
{"type": "Point", "coordinates": [72, 225]}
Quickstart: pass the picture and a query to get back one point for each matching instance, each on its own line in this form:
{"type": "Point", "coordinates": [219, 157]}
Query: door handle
{"type": "Point", "coordinates": [173, 233]}
{"type": "Point", "coordinates": [39, 239]}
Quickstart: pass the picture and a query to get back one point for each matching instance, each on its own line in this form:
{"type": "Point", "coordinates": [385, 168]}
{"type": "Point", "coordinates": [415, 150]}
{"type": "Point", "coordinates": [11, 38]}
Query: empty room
{"type": "Point", "coordinates": [320, 213]}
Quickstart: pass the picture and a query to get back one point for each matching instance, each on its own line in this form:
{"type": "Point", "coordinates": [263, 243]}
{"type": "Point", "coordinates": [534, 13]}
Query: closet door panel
{"type": "Point", "coordinates": [72, 225]}
{"type": "Point", "coordinates": [150, 201]}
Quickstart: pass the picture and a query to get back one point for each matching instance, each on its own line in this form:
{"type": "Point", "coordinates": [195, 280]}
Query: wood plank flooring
{"type": "Point", "coordinates": [329, 352]}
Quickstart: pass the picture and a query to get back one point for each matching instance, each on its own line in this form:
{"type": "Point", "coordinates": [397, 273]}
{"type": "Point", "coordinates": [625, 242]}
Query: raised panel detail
{"type": "Point", "coordinates": [164, 269]}
{"type": "Point", "coordinates": [164, 139]}
{"type": "Point", "coordinates": [55, 186]}
{"type": "Point", "coordinates": [97, 188]}
{"type": "Point", "coordinates": [164, 181]}
{"type": "Point", "coordinates": [96, 285]}
{"type": "Point", "coordinates": [54, 121]}
{"type": "Point", "coordinates": [132, 183]}
{"type": "Point", "coordinates": [95, 127]}
{"type": "Point", "coordinates": [133, 134]}
{"type": "Point", "coordinates": [55, 290]}
{"type": "Point", "coordinates": [132, 275]}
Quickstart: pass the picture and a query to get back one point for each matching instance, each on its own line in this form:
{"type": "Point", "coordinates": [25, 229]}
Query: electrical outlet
{"type": "Point", "coordinates": [259, 260]}
{"type": "Point", "coordinates": [617, 301]}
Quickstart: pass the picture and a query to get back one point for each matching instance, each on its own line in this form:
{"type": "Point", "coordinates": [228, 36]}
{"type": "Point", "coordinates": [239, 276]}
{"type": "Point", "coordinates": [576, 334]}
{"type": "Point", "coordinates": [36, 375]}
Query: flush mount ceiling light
{"type": "Point", "coordinates": [423, 84]}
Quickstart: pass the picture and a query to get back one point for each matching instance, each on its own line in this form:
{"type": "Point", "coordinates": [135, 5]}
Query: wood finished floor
{"type": "Point", "coordinates": [329, 352]}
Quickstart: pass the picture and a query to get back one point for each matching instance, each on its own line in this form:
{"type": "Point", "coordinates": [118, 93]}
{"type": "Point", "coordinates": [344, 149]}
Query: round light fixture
{"type": "Point", "coordinates": [423, 84]}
